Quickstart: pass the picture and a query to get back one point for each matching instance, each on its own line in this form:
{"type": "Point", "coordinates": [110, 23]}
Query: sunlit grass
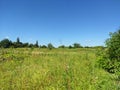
{"type": "Point", "coordinates": [57, 69]}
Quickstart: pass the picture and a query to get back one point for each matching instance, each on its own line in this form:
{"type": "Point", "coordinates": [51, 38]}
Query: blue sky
{"type": "Point", "coordinates": [87, 22]}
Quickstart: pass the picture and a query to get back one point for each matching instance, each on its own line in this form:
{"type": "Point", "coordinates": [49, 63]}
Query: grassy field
{"type": "Point", "coordinates": [57, 69]}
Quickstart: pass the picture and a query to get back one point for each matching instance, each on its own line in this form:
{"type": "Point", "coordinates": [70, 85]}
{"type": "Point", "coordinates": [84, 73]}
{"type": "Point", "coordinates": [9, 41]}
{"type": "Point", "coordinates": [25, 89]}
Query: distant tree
{"type": "Point", "coordinates": [14, 44]}
{"type": "Point", "coordinates": [77, 45]}
{"type": "Point", "coordinates": [18, 44]}
{"type": "Point", "coordinates": [18, 40]}
{"type": "Point", "coordinates": [36, 44]}
{"type": "Point", "coordinates": [5, 43]}
{"type": "Point", "coordinates": [70, 47]}
{"type": "Point", "coordinates": [43, 46]}
{"type": "Point", "coordinates": [25, 45]}
{"type": "Point", "coordinates": [31, 45]}
{"type": "Point", "coordinates": [50, 46]}
{"type": "Point", "coordinates": [62, 46]}
{"type": "Point", "coordinates": [98, 47]}
{"type": "Point", "coordinates": [86, 47]}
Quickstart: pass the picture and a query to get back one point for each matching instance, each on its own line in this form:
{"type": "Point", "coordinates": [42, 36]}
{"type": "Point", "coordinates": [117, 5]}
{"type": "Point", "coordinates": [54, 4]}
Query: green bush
{"type": "Point", "coordinates": [109, 59]}
{"type": "Point", "coordinates": [50, 46]}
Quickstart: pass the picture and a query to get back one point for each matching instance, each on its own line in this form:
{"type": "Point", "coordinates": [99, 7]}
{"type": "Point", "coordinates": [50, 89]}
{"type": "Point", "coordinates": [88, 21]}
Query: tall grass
{"type": "Point", "coordinates": [57, 69]}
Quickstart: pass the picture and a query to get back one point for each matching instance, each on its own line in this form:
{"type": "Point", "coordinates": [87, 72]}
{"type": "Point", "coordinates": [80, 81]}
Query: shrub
{"type": "Point", "coordinates": [110, 58]}
{"type": "Point", "coordinates": [50, 46]}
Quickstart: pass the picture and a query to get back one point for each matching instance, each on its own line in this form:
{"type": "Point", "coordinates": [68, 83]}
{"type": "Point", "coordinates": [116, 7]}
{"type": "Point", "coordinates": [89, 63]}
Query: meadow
{"type": "Point", "coordinates": [56, 69]}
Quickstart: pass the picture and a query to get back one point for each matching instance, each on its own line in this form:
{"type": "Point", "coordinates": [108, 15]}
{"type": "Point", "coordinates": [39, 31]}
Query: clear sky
{"type": "Point", "coordinates": [87, 22]}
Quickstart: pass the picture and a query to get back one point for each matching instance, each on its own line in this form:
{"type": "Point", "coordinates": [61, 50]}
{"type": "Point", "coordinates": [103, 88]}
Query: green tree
{"type": "Point", "coordinates": [18, 44]}
{"type": "Point", "coordinates": [43, 46]}
{"type": "Point", "coordinates": [18, 40]}
{"type": "Point", "coordinates": [25, 45]}
{"type": "Point", "coordinates": [113, 45]}
{"type": "Point", "coordinates": [70, 47]}
{"type": "Point", "coordinates": [62, 46]}
{"type": "Point", "coordinates": [5, 43]}
{"type": "Point", "coordinates": [31, 45]}
{"type": "Point", "coordinates": [50, 46]}
{"type": "Point", "coordinates": [110, 58]}
{"type": "Point", "coordinates": [77, 45]}
{"type": "Point", "coordinates": [36, 44]}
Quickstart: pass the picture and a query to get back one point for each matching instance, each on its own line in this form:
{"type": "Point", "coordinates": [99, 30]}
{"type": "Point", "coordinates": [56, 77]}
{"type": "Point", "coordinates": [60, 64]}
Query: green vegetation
{"type": "Point", "coordinates": [110, 57]}
{"type": "Point", "coordinates": [56, 69]}
{"type": "Point", "coordinates": [25, 66]}
{"type": "Point", "coordinates": [50, 46]}
{"type": "Point", "coordinates": [77, 45]}
{"type": "Point", "coordinates": [6, 43]}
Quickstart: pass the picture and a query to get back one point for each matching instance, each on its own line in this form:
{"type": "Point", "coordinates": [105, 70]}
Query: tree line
{"type": "Point", "coordinates": [6, 43]}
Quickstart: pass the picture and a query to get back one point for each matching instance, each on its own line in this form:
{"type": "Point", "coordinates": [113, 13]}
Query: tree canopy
{"type": "Point", "coordinates": [113, 44]}
{"type": "Point", "coordinates": [77, 45]}
{"type": "Point", "coordinates": [110, 59]}
{"type": "Point", "coordinates": [50, 46]}
{"type": "Point", "coordinates": [5, 43]}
